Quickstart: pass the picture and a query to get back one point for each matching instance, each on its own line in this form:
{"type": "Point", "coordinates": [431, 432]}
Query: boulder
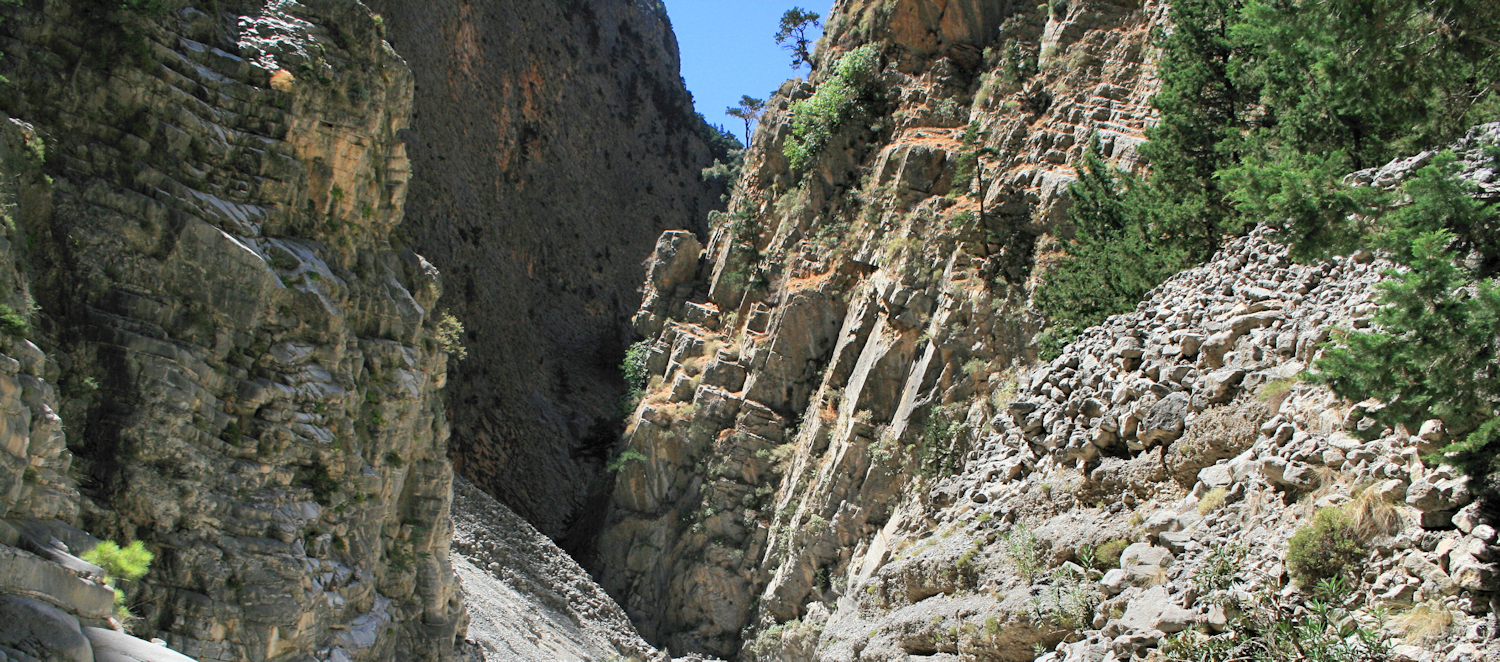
{"type": "Point", "coordinates": [1145, 564]}
{"type": "Point", "coordinates": [1165, 421]}
{"type": "Point", "coordinates": [111, 646]}
{"type": "Point", "coordinates": [42, 631]}
{"type": "Point", "coordinates": [1443, 494]}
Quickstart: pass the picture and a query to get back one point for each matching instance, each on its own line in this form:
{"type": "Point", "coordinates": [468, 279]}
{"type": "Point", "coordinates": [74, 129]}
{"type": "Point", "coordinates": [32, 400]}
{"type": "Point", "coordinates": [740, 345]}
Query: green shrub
{"type": "Point", "coordinates": [12, 323]}
{"type": "Point", "coordinates": [1021, 549]}
{"type": "Point", "coordinates": [629, 455]}
{"type": "Point", "coordinates": [450, 333]}
{"type": "Point", "coordinates": [1212, 500]}
{"type": "Point", "coordinates": [1107, 555]}
{"type": "Point", "coordinates": [1327, 548]}
{"type": "Point", "coordinates": [1319, 630]}
{"type": "Point", "coordinates": [128, 563]}
{"type": "Point", "coordinates": [816, 118]}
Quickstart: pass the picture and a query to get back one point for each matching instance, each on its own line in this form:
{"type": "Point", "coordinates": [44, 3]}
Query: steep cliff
{"type": "Point", "coordinates": [843, 298]}
{"type": "Point", "coordinates": [247, 368]}
{"type": "Point", "coordinates": [846, 449]}
{"type": "Point", "coordinates": [552, 142]}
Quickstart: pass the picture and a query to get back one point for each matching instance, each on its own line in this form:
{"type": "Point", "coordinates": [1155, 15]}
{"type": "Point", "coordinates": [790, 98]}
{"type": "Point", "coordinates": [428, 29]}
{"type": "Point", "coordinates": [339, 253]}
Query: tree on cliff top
{"type": "Point", "coordinates": [749, 110]}
{"type": "Point", "coordinates": [792, 34]}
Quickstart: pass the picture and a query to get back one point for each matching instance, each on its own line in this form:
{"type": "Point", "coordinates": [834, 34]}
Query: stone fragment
{"type": "Point", "coordinates": [1441, 494]}
{"type": "Point", "coordinates": [1145, 564]}
{"type": "Point", "coordinates": [1290, 475]}
{"type": "Point", "coordinates": [1165, 421]}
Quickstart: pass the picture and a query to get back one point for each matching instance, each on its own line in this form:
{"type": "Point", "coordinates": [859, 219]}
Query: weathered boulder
{"type": "Point", "coordinates": [1165, 420]}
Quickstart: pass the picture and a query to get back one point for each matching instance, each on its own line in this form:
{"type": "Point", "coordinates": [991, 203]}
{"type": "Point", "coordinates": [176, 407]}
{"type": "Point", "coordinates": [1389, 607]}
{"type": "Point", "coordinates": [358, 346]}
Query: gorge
{"type": "Point", "coordinates": [332, 306]}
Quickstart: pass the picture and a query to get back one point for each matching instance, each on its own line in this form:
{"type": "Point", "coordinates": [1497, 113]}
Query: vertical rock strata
{"type": "Point", "coordinates": [553, 141]}
{"type": "Point", "coordinates": [247, 365]}
{"type": "Point", "coordinates": [838, 306]}
{"type": "Point", "coordinates": [846, 451]}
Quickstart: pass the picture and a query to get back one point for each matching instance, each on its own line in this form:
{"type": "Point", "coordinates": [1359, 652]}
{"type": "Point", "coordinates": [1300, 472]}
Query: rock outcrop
{"type": "Point", "coordinates": [838, 304]}
{"type": "Point", "coordinates": [246, 368]}
{"type": "Point", "coordinates": [552, 142]}
{"type": "Point", "coordinates": [846, 449]}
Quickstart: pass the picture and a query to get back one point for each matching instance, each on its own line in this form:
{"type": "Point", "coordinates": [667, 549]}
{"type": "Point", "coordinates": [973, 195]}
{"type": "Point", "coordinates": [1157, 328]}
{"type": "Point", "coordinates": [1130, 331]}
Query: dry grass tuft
{"type": "Point", "coordinates": [1427, 620]}
{"type": "Point", "coordinates": [1372, 515]}
{"type": "Point", "coordinates": [1212, 500]}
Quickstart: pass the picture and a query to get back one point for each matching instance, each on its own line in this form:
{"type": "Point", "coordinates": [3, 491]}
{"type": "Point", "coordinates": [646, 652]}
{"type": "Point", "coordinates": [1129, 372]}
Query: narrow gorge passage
{"type": "Point", "coordinates": [460, 330]}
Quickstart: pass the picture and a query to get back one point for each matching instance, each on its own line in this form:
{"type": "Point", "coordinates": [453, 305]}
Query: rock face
{"type": "Point", "coordinates": [247, 369]}
{"type": "Point", "coordinates": [529, 600]}
{"type": "Point", "coordinates": [552, 142]}
{"type": "Point", "coordinates": [847, 451]}
{"type": "Point", "coordinates": [843, 305]}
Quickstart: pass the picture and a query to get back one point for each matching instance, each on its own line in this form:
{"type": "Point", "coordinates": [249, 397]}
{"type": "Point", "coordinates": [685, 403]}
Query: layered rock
{"type": "Point", "coordinates": [847, 451]}
{"type": "Point", "coordinates": [248, 368]}
{"type": "Point", "coordinates": [842, 302]}
{"type": "Point", "coordinates": [552, 142]}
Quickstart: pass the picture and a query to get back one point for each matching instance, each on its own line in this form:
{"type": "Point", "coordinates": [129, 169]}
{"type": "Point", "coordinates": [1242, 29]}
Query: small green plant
{"type": "Point", "coordinates": [317, 479]}
{"type": "Point", "coordinates": [1322, 629]}
{"type": "Point", "coordinates": [1020, 548]}
{"type": "Point", "coordinates": [12, 324]}
{"type": "Point", "coordinates": [626, 457]}
{"type": "Point", "coordinates": [450, 333]}
{"type": "Point", "coordinates": [1324, 549]}
{"type": "Point", "coordinates": [128, 563]}
{"type": "Point", "coordinates": [392, 458]}
{"type": "Point", "coordinates": [1224, 565]}
{"type": "Point", "coordinates": [1107, 555]}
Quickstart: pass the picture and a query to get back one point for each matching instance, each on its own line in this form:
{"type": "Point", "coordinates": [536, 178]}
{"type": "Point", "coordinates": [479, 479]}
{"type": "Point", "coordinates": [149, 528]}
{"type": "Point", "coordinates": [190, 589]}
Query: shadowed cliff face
{"type": "Point", "coordinates": [551, 143]}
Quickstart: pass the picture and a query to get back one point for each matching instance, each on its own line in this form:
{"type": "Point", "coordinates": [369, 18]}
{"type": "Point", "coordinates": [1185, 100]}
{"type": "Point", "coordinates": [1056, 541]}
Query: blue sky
{"type": "Point", "coordinates": [729, 49]}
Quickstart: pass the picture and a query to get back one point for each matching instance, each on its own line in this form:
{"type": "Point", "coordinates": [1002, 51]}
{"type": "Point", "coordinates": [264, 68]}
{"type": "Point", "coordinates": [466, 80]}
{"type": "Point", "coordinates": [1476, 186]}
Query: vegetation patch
{"type": "Point", "coordinates": [837, 99]}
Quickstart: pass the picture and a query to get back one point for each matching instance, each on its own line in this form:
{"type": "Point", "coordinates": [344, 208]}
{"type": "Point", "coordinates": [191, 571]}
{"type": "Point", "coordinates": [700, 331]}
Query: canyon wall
{"type": "Point", "coordinates": [551, 143]}
{"type": "Point", "coordinates": [846, 448]}
{"type": "Point", "coordinates": [245, 365]}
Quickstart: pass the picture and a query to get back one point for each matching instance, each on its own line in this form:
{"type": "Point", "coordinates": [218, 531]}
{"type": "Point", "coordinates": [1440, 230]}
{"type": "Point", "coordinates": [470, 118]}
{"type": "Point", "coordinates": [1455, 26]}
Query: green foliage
{"type": "Point", "coordinates": [450, 333]}
{"type": "Point", "coordinates": [1321, 629]}
{"type": "Point", "coordinates": [963, 172]}
{"type": "Point", "coordinates": [935, 454]}
{"type": "Point", "coordinates": [625, 458]}
{"type": "Point", "coordinates": [1326, 548]}
{"type": "Point", "coordinates": [12, 323]}
{"type": "Point", "coordinates": [1115, 257]}
{"type": "Point", "coordinates": [392, 458]}
{"type": "Point", "coordinates": [634, 365]}
{"type": "Point", "coordinates": [722, 143]}
{"type": "Point", "coordinates": [837, 99]}
{"type": "Point", "coordinates": [1107, 555]}
{"type": "Point", "coordinates": [129, 563]}
{"type": "Point", "coordinates": [749, 110]}
{"type": "Point", "coordinates": [1265, 105]}
{"type": "Point", "coordinates": [792, 34]}
{"type": "Point", "coordinates": [1021, 549]}
{"type": "Point", "coordinates": [1434, 348]}
{"type": "Point", "coordinates": [317, 479]}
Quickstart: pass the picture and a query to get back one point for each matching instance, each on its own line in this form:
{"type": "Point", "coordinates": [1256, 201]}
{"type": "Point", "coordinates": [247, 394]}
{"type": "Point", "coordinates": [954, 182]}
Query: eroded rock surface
{"type": "Point", "coordinates": [847, 451]}
{"type": "Point", "coordinates": [552, 142]}
{"type": "Point", "coordinates": [245, 367]}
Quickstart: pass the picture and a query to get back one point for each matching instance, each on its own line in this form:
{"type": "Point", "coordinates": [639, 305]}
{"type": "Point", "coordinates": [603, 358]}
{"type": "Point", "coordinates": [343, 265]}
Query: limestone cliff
{"type": "Point", "coordinates": [847, 451]}
{"type": "Point", "coordinates": [246, 367]}
{"type": "Point", "coordinates": [552, 142]}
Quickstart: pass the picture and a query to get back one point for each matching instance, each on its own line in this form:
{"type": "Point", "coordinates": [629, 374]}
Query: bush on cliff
{"type": "Point", "coordinates": [837, 99]}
